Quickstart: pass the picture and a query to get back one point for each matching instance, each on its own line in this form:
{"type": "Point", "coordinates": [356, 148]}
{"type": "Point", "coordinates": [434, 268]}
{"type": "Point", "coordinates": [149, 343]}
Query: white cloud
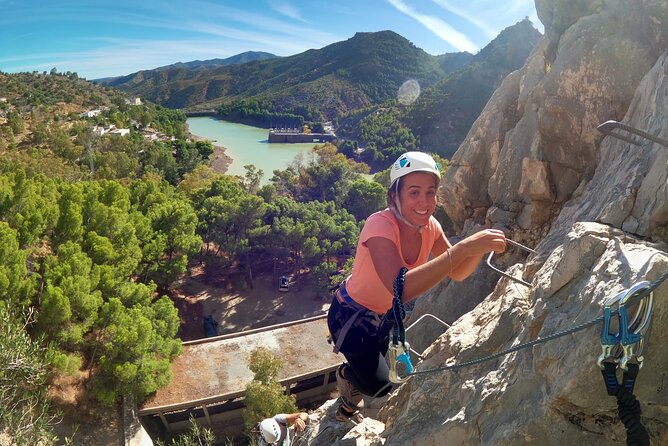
{"type": "Point", "coordinates": [119, 57]}
{"type": "Point", "coordinates": [286, 9]}
{"type": "Point", "coordinates": [443, 30]}
{"type": "Point", "coordinates": [470, 17]}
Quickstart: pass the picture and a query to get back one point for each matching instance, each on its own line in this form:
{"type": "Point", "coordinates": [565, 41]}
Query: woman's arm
{"type": "Point", "coordinates": [298, 419]}
{"type": "Point", "coordinates": [464, 269]}
{"type": "Point", "coordinates": [457, 261]}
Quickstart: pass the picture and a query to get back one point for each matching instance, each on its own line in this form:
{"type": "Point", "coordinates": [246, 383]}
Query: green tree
{"type": "Point", "coordinates": [265, 397]}
{"type": "Point", "coordinates": [70, 301]}
{"type": "Point", "coordinates": [15, 121]}
{"type": "Point", "coordinates": [364, 198]}
{"type": "Point", "coordinates": [158, 158]}
{"type": "Point", "coordinates": [201, 177]}
{"type": "Point", "coordinates": [17, 286]}
{"type": "Point", "coordinates": [328, 176]}
{"type": "Point", "coordinates": [174, 225]}
{"type": "Point", "coordinates": [33, 208]}
{"type": "Point", "coordinates": [251, 181]}
{"type": "Point", "coordinates": [110, 239]}
{"type": "Point", "coordinates": [70, 218]}
{"type": "Point", "coordinates": [195, 436]}
{"type": "Point", "coordinates": [25, 411]}
{"type": "Point", "coordinates": [136, 347]}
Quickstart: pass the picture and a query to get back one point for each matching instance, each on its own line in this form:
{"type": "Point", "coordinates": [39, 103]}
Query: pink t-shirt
{"type": "Point", "coordinates": [364, 284]}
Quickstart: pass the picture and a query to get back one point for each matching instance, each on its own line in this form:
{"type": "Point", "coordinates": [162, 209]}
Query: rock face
{"type": "Point", "coordinates": [551, 394]}
{"type": "Point", "coordinates": [595, 208]}
{"type": "Point", "coordinates": [536, 142]}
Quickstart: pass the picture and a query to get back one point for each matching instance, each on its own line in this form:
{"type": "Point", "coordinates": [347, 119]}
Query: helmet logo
{"type": "Point", "coordinates": [404, 163]}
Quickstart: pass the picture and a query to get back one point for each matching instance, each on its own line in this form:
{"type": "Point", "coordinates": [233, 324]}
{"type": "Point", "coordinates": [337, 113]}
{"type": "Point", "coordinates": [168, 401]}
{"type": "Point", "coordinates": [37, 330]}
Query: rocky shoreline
{"type": "Point", "coordinates": [219, 160]}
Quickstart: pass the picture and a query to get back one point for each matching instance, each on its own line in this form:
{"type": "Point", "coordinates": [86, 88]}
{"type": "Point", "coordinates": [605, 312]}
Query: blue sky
{"type": "Point", "coordinates": [99, 39]}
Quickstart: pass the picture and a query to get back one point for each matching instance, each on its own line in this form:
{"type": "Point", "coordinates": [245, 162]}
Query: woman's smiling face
{"type": "Point", "coordinates": [417, 197]}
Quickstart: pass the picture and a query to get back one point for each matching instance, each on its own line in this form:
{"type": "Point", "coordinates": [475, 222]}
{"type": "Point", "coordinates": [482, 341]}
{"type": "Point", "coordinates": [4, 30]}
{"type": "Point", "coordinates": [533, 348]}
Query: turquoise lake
{"type": "Point", "coordinates": [247, 145]}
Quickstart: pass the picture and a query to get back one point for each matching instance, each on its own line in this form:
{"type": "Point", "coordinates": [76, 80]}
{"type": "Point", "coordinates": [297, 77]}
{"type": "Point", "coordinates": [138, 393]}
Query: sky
{"type": "Point", "coordinates": [99, 39]}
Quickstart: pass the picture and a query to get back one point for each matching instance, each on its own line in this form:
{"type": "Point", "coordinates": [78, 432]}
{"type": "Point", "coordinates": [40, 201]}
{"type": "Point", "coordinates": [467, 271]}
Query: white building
{"type": "Point", "coordinates": [120, 132]}
{"type": "Point", "coordinates": [90, 113]}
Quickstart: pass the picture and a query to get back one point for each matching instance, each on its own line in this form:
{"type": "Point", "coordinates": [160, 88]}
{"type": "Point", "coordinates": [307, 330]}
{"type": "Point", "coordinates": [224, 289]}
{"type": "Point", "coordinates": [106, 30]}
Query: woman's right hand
{"type": "Point", "coordinates": [485, 241]}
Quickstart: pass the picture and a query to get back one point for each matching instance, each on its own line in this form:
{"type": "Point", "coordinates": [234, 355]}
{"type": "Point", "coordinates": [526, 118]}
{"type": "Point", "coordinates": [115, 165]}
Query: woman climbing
{"type": "Point", "coordinates": [404, 235]}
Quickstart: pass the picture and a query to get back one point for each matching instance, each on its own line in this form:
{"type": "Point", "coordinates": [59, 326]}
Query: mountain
{"type": "Point", "coordinates": [368, 68]}
{"type": "Point", "coordinates": [245, 57]}
{"type": "Point", "coordinates": [443, 114]}
{"type": "Point", "coordinates": [450, 62]}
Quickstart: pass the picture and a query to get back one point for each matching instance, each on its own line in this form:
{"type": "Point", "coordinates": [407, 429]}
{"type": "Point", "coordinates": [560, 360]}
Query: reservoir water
{"type": "Point", "coordinates": [247, 145]}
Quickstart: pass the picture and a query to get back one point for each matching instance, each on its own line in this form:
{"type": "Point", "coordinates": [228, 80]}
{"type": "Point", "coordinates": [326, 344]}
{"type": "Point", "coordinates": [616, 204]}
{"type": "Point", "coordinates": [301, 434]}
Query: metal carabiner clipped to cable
{"type": "Point", "coordinates": [398, 353]}
{"type": "Point", "coordinates": [629, 338]}
{"type": "Point", "coordinates": [503, 273]}
{"type": "Point", "coordinates": [609, 341]}
{"type": "Point", "coordinates": [632, 333]}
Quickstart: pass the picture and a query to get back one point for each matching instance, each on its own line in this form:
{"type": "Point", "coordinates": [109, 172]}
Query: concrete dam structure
{"type": "Point", "coordinates": [295, 137]}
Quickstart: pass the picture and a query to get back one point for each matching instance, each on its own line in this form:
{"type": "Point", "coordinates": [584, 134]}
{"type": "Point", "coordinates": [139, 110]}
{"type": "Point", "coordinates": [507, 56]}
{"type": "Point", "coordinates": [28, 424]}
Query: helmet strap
{"type": "Point", "coordinates": [396, 210]}
{"type": "Point", "coordinates": [418, 228]}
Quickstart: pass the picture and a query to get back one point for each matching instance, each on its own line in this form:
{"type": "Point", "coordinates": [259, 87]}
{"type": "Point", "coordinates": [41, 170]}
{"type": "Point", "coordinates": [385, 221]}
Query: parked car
{"type": "Point", "coordinates": [283, 283]}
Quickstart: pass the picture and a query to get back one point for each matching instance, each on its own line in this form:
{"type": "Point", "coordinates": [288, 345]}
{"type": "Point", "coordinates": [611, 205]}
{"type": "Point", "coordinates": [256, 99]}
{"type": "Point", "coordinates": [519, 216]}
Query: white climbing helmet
{"type": "Point", "coordinates": [411, 162]}
{"type": "Point", "coordinates": [270, 430]}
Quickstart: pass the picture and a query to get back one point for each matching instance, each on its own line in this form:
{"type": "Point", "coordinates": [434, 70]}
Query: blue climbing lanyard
{"type": "Point", "coordinates": [398, 349]}
{"type": "Point", "coordinates": [624, 350]}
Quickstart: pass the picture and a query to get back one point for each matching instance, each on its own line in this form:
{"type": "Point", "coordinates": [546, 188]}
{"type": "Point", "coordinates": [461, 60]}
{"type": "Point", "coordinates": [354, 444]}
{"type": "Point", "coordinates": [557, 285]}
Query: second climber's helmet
{"type": "Point", "coordinates": [270, 430]}
{"type": "Point", "coordinates": [411, 162]}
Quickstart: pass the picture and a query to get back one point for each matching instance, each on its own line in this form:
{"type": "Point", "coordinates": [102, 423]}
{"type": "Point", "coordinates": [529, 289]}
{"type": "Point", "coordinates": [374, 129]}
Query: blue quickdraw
{"type": "Point", "coordinates": [629, 341]}
{"type": "Point", "coordinates": [399, 349]}
{"type": "Point", "coordinates": [629, 338]}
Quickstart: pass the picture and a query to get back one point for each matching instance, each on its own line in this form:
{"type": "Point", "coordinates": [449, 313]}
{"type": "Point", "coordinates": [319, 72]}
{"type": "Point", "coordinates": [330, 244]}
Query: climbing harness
{"type": "Point", "coordinates": [360, 311]}
{"type": "Point", "coordinates": [488, 262]}
{"type": "Point", "coordinates": [624, 350]}
{"type": "Point", "coordinates": [608, 128]}
{"type": "Point", "coordinates": [398, 349]}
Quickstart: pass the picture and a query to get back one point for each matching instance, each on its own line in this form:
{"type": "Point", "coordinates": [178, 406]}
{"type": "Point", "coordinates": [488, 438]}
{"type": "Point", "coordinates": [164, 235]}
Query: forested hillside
{"type": "Point", "coordinates": [97, 229]}
{"type": "Point", "coordinates": [245, 57]}
{"type": "Point", "coordinates": [354, 83]}
{"type": "Point", "coordinates": [441, 116]}
{"type": "Point", "coordinates": [366, 69]}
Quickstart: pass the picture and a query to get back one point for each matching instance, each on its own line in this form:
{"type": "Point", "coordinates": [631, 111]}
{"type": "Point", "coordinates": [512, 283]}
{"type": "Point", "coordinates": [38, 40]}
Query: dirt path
{"type": "Point", "coordinates": [238, 309]}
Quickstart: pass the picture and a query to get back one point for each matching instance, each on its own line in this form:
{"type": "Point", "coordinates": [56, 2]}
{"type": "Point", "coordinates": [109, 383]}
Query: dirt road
{"type": "Point", "coordinates": [241, 308]}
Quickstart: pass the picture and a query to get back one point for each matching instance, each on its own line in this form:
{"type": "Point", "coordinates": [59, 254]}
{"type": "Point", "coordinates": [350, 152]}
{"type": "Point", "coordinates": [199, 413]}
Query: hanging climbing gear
{"type": "Point", "coordinates": [624, 350]}
{"type": "Point", "coordinates": [398, 349]}
{"type": "Point", "coordinates": [488, 262]}
{"type": "Point", "coordinates": [608, 128]}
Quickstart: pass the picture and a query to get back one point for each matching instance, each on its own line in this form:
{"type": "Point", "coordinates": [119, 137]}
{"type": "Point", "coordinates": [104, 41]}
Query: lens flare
{"type": "Point", "coordinates": [408, 92]}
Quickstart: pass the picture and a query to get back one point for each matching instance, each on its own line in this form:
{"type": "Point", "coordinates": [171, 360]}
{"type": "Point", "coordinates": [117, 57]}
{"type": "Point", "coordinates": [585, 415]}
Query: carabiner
{"type": "Point", "coordinates": [399, 353]}
{"type": "Point", "coordinates": [609, 341]}
{"type": "Point", "coordinates": [632, 333]}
